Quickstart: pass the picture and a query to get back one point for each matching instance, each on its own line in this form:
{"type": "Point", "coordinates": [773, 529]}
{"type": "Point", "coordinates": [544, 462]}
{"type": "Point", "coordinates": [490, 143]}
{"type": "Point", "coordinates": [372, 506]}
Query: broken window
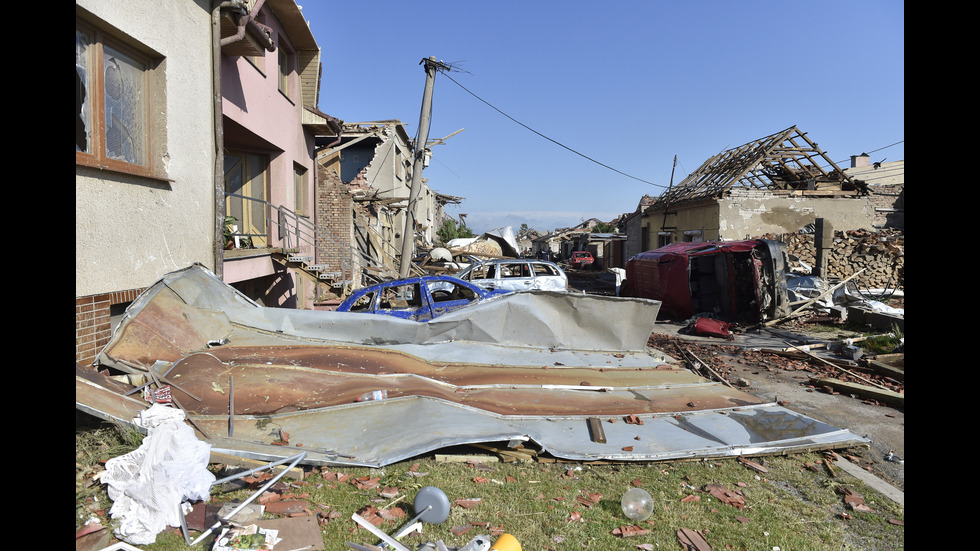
{"type": "Point", "coordinates": [112, 103]}
{"type": "Point", "coordinates": [401, 296]}
{"type": "Point", "coordinates": [443, 291]}
{"type": "Point", "coordinates": [544, 270]}
{"type": "Point", "coordinates": [693, 236]}
{"type": "Point", "coordinates": [516, 269]}
{"type": "Point", "coordinates": [364, 303]}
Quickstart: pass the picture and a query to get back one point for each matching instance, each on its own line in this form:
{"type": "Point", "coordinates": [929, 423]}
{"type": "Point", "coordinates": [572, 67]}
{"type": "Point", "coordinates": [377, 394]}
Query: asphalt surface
{"type": "Point", "coordinates": [778, 380]}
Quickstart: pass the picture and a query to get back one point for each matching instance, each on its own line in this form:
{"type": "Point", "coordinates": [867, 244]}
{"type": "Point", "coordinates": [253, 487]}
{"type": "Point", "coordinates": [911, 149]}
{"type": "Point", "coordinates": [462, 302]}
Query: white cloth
{"type": "Point", "coordinates": [148, 484]}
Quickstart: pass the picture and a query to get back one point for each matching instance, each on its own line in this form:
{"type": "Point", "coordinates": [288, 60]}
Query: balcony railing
{"type": "Point", "coordinates": [299, 235]}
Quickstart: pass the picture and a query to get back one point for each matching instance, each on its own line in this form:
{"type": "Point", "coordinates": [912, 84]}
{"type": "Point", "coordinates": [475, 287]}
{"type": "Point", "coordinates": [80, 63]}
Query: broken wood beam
{"type": "Point", "coordinates": [595, 430]}
{"type": "Point", "coordinates": [887, 370]}
{"type": "Point", "coordinates": [881, 395]}
{"type": "Point", "coordinates": [851, 373]}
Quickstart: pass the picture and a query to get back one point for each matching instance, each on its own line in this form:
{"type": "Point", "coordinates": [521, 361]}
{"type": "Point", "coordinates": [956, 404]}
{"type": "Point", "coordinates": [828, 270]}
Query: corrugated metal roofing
{"type": "Point", "coordinates": [529, 367]}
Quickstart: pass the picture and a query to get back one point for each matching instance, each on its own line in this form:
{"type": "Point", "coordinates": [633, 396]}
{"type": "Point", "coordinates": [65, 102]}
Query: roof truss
{"type": "Point", "coordinates": [784, 161]}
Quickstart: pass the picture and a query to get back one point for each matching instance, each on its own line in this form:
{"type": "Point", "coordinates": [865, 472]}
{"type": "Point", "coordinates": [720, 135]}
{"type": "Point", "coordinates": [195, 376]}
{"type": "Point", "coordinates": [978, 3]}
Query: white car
{"type": "Point", "coordinates": [518, 274]}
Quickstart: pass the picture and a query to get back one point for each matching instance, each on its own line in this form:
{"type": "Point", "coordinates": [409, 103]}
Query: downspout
{"type": "Point", "coordinates": [248, 21]}
{"type": "Point", "coordinates": [219, 140]}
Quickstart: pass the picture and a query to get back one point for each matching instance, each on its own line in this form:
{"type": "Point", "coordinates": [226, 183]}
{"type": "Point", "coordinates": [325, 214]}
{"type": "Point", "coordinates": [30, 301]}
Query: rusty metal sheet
{"type": "Point", "coordinates": [188, 309]}
{"type": "Point", "coordinates": [448, 383]}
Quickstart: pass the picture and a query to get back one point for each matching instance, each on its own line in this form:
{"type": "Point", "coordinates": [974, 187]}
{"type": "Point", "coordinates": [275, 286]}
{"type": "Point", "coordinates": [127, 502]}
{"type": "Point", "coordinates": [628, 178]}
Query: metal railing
{"type": "Point", "coordinates": [299, 233]}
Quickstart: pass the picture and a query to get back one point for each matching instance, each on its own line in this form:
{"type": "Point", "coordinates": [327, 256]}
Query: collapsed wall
{"type": "Point", "coordinates": [880, 253]}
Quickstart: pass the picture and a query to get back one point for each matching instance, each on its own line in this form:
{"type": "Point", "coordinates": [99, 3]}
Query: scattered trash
{"type": "Point", "coordinates": [246, 538]}
{"type": "Point", "coordinates": [692, 540]}
{"type": "Point", "coordinates": [148, 484]}
{"type": "Point", "coordinates": [374, 395]}
{"type": "Point", "coordinates": [710, 327]}
{"type": "Point", "coordinates": [432, 506]}
{"type": "Point", "coordinates": [506, 542]}
{"type": "Point", "coordinates": [637, 504]}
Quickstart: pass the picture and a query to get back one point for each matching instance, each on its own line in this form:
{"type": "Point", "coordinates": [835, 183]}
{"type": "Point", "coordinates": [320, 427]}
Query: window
{"type": "Point", "coordinates": [114, 90]}
{"type": "Point", "coordinates": [664, 239]}
{"type": "Point", "coordinates": [401, 296]}
{"type": "Point", "coordinates": [245, 183]}
{"type": "Point", "coordinates": [283, 70]}
{"type": "Point", "coordinates": [301, 188]}
{"type": "Point", "coordinates": [693, 236]}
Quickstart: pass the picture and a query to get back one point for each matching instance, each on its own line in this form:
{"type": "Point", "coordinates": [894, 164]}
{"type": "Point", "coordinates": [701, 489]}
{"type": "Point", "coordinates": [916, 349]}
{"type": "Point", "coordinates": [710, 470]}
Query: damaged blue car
{"type": "Point", "coordinates": [417, 298]}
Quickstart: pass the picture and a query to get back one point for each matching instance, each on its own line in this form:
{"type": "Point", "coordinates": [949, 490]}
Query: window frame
{"type": "Point", "coordinates": [94, 88]}
{"type": "Point", "coordinates": [301, 190]}
{"type": "Point", "coordinates": [255, 169]}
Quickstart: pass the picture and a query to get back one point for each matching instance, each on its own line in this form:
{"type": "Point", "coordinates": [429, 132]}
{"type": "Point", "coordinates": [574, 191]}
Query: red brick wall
{"type": "Point", "coordinates": [93, 324]}
{"type": "Point", "coordinates": [334, 215]}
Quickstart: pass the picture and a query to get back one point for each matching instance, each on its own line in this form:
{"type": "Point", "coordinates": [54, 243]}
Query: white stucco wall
{"type": "Point", "coordinates": [129, 231]}
{"type": "Point", "coordinates": [754, 213]}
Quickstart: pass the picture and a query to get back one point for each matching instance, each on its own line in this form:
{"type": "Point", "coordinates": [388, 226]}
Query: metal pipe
{"type": "Point", "coordinates": [183, 522]}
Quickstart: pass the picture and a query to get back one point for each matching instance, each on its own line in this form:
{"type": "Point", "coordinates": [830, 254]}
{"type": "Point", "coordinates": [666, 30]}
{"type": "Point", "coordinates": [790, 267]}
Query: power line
{"type": "Point", "coordinates": [875, 150]}
{"type": "Point", "coordinates": [549, 139]}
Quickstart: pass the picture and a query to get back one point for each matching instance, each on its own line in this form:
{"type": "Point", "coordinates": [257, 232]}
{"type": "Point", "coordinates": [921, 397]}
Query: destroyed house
{"type": "Point", "coordinates": [365, 180]}
{"type": "Point", "coordinates": [773, 185]}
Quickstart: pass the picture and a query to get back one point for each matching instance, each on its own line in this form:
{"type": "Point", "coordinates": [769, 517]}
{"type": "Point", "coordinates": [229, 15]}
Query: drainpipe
{"type": "Point", "coordinates": [219, 140]}
{"type": "Point", "coordinates": [248, 21]}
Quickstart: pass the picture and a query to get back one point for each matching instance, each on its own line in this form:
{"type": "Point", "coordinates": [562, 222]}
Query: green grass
{"type": "Point", "coordinates": [790, 506]}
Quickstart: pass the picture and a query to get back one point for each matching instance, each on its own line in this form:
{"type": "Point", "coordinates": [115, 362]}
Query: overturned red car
{"type": "Point", "coordinates": [736, 281]}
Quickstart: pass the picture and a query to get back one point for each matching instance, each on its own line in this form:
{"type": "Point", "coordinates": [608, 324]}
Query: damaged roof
{"type": "Point", "coordinates": [529, 368]}
{"type": "Point", "coordinates": [785, 161]}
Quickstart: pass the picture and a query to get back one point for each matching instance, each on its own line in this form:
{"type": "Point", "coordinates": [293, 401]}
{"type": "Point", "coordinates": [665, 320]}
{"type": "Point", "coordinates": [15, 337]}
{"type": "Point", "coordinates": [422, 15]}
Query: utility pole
{"type": "Point", "coordinates": [408, 235]}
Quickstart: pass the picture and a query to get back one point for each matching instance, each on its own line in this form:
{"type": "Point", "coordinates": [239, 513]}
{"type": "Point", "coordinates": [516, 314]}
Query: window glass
{"type": "Point", "coordinates": [83, 94]}
{"type": "Point", "coordinates": [245, 182]}
{"type": "Point", "coordinates": [125, 111]}
{"type": "Point", "coordinates": [283, 71]}
{"type": "Point", "coordinates": [301, 189]}
{"type": "Point", "coordinates": [113, 85]}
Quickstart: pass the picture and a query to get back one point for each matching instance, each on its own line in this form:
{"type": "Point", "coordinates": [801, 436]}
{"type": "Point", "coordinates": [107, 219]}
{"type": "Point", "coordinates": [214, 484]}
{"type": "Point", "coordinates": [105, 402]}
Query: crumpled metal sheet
{"type": "Point", "coordinates": [189, 308]}
{"type": "Point", "coordinates": [529, 367]}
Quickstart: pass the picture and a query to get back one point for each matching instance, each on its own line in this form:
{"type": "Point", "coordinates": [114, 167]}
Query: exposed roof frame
{"type": "Point", "coordinates": [786, 160]}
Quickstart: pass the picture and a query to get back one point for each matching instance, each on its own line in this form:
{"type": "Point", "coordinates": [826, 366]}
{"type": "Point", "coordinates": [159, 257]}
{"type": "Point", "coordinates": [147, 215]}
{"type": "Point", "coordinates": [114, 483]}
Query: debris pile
{"type": "Point", "coordinates": [873, 379]}
{"type": "Point", "coordinates": [880, 254]}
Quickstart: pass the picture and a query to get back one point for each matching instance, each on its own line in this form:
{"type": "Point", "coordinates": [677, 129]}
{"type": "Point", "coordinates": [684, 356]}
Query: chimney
{"type": "Point", "coordinates": [860, 160]}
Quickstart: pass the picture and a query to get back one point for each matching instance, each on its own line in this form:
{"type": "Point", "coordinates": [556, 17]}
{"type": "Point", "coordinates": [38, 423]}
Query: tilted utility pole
{"type": "Point", "coordinates": [408, 235]}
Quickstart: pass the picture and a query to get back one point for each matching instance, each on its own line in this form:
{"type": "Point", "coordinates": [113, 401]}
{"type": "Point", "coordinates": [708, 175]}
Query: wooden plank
{"type": "Point", "coordinates": [595, 430]}
{"type": "Point", "coordinates": [887, 370]}
{"type": "Point", "coordinates": [886, 396]}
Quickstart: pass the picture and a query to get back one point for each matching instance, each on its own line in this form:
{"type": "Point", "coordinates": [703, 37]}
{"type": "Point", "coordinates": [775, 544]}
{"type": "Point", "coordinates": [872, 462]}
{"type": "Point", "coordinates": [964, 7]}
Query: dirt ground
{"type": "Point", "coordinates": [743, 361]}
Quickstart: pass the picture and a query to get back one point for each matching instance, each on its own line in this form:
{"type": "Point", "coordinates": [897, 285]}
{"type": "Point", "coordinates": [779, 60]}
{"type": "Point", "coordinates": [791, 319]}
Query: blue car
{"type": "Point", "coordinates": [417, 298]}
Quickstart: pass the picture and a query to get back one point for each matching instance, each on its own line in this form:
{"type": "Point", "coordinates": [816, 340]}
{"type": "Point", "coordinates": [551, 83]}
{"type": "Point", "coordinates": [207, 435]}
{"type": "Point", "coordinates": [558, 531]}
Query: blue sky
{"type": "Point", "coordinates": [625, 84]}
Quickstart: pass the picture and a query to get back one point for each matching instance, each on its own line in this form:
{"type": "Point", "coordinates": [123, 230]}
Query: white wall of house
{"type": "Point", "coordinates": [130, 230]}
{"type": "Point", "coordinates": [753, 213]}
